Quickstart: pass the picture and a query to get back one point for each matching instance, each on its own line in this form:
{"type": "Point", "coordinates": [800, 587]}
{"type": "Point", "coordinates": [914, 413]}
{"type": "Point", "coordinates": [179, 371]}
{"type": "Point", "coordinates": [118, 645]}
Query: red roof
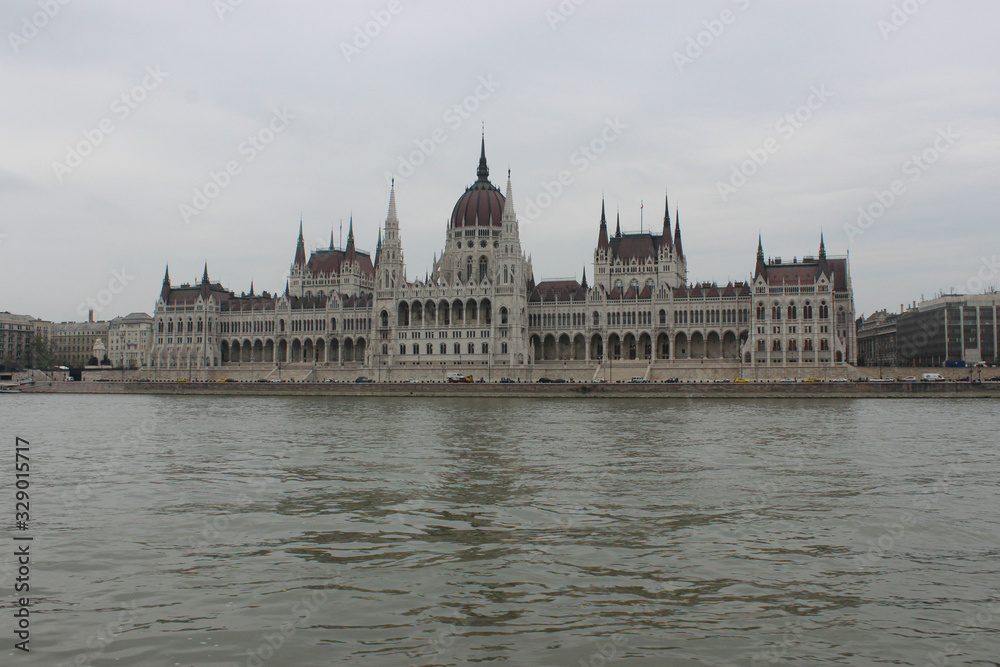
{"type": "Point", "coordinates": [558, 290]}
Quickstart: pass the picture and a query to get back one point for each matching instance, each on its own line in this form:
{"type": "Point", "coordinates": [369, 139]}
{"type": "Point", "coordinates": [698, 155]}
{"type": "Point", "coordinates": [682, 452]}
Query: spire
{"type": "Point", "coordinates": [286, 287]}
{"type": "Point", "coordinates": [602, 239]}
{"type": "Point", "coordinates": [391, 217]}
{"type": "Point", "coordinates": [677, 233]}
{"type": "Point", "coordinates": [378, 246]}
{"type": "Point", "coordinates": [666, 221]}
{"type": "Point", "coordinates": [165, 290]}
{"type": "Point", "coordinates": [349, 252]}
{"type": "Point", "coordinates": [585, 286]}
{"type": "Point", "coordinates": [204, 275]}
{"type": "Point", "coordinates": [484, 171]}
{"type": "Point", "coordinates": [251, 287]}
{"type": "Point", "coordinates": [331, 238]}
{"type": "Point", "coordinates": [822, 248]}
{"type": "Point", "coordinates": [300, 248]}
{"type": "Point", "coordinates": [618, 226]}
{"type": "Point", "coordinates": [509, 214]}
{"type": "Point", "coordinates": [761, 268]}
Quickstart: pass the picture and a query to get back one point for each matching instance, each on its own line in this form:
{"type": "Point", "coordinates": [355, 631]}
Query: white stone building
{"type": "Point", "coordinates": [480, 310]}
{"type": "Point", "coordinates": [129, 340]}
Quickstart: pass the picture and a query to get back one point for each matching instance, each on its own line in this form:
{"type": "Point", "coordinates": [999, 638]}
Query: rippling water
{"type": "Point", "coordinates": [316, 531]}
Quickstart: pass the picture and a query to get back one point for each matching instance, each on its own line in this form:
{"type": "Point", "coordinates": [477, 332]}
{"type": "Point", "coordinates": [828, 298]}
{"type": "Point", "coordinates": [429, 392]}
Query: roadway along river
{"type": "Point", "coordinates": [328, 530]}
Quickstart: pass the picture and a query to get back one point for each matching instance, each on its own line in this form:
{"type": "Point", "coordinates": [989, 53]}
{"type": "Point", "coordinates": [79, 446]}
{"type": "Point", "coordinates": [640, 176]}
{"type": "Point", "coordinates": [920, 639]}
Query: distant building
{"type": "Point", "coordinates": [129, 340]}
{"type": "Point", "coordinates": [480, 305]}
{"type": "Point", "coordinates": [803, 311]}
{"type": "Point", "coordinates": [16, 332]}
{"type": "Point", "coordinates": [73, 342]}
{"type": "Point", "coordinates": [877, 339]}
{"type": "Point", "coordinates": [950, 328]}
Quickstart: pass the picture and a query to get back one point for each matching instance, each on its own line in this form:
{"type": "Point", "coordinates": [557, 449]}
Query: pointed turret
{"type": "Point", "coordinates": [378, 248]}
{"type": "Point", "coordinates": [349, 251]}
{"type": "Point", "coordinates": [618, 226]}
{"type": "Point", "coordinates": [602, 239]}
{"type": "Point", "coordinates": [204, 275]}
{"type": "Point", "coordinates": [761, 268]}
{"type": "Point", "coordinates": [286, 287]}
{"type": "Point", "coordinates": [391, 216]}
{"type": "Point", "coordinates": [677, 234]}
{"type": "Point", "coordinates": [666, 222]}
{"type": "Point", "coordinates": [584, 284]}
{"type": "Point", "coordinates": [300, 248]}
{"type": "Point", "coordinates": [165, 290]}
{"type": "Point", "coordinates": [483, 172]}
{"type": "Point", "coordinates": [822, 248]}
{"type": "Point", "coordinates": [509, 214]}
{"type": "Point", "coordinates": [251, 287]}
{"type": "Point", "coordinates": [331, 238]}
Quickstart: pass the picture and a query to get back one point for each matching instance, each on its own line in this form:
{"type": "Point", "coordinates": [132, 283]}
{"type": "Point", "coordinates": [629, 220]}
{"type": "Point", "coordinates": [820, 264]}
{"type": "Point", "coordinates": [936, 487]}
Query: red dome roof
{"type": "Point", "coordinates": [481, 204]}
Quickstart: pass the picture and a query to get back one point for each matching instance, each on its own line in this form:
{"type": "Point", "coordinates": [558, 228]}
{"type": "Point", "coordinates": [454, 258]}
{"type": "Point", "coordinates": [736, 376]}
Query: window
{"type": "Point", "coordinates": [402, 349]}
{"type": "Point", "coordinates": [792, 311]}
{"type": "Point", "coordinates": [824, 344]}
{"type": "Point", "coordinates": [760, 346]}
{"type": "Point", "coordinates": [486, 348]}
{"type": "Point", "coordinates": [503, 348]}
{"type": "Point", "coordinates": [472, 348]}
{"type": "Point", "coordinates": [807, 345]}
{"type": "Point", "coordinates": [430, 348]}
{"type": "Point", "coordinates": [760, 311]}
{"type": "Point", "coordinates": [776, 346]}
{"type": "Point", "coordinates": [416, 348]}
{"type": "Point", "coordinates": [457, 348]}
{"type": "Point", "coordinates": [776, 312]}
{"type": "Point", "coordinates": [444, 348]}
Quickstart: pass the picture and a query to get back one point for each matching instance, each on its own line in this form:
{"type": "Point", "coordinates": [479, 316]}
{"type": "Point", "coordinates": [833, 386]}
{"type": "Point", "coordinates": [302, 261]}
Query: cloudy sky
{"type": "Point", "coordinates": [140, 134]}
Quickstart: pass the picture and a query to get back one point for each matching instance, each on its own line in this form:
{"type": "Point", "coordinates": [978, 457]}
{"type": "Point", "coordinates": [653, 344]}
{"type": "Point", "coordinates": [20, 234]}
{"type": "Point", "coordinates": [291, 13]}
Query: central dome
{"type": "Point", "coordinates": [481, 204]}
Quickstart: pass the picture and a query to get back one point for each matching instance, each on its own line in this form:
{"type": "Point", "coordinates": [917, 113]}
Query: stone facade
{"type": "Point", "coordinates": [73, 342]}
{"type": "Point", "coordinates": [129, 340]}
{"type": "Point", "coordinates": [16, 332]}
{"type": "Point", "coordinates": [877, 339]}
{"type": "Point", "coordinates": [480, 310]}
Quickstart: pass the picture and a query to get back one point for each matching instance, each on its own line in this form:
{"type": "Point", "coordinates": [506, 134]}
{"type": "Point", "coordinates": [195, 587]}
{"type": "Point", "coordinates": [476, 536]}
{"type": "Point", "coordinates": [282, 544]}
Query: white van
{"type": "Point", "coordinates": [932, 377]}
{"type": "Point", "coordinates": [459, 377]}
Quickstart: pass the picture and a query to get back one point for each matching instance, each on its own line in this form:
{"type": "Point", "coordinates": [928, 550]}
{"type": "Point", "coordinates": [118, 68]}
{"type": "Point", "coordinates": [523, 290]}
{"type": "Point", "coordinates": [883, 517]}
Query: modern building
{"type": "Point", "coordinates": [73, 342]}
{"type": "Point", "coordinates": [480, 308]}
{"type": "Point", "coordinates": [16, 332]}
{"type": "Point", "coordinates": [129, 340]}
{"type": "Point", "coordinates": [950, 328]}
{"type": "Point", "coordinates": [877, 339]}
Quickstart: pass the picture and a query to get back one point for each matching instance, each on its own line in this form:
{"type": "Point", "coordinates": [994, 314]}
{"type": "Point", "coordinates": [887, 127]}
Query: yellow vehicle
{"type": "Point", "coordinates": [741, 380]}
{"type": "Point", "coordinates": [812, 380]}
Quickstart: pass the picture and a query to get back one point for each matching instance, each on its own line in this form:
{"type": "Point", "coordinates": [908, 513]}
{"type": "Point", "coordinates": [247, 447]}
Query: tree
{"type": "Point", "coordinates": [42, 353]}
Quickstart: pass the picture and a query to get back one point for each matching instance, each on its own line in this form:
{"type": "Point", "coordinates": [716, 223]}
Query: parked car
{"type": "Point", "coordinates": [505, 380]}
{"type": "Point", "coordinates": [839, 380]}
{"type": "Point", "coordinates": [966, 378]}
{"type": "Point", "coordinates": [995, 378]}
{"type": "Point", "coordinates": [544, 380]}
{"type": "Point", "coordinates": [789, 380]}
{"type": "Point", "coordinates": [812, 380]}
{"type": "Point", "coordinates": [362, 378]}
{"type": "Point", "coordinates": [932, 377]}
{"type": "Point", "coordinates": [909, 378]}
{"type": "Point", "coordinates": [638, 379]}
{"type": "Point", "coordinates": [673, 380]}
{"type": "Point", "coordinates": [741, 380]}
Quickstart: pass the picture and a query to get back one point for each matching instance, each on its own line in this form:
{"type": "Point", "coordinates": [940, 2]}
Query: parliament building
{"type": "Point", "coordinates": [480, 310]}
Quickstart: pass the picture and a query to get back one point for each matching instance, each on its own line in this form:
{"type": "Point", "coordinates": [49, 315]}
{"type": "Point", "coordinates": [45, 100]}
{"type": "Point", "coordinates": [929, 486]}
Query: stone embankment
{"type": "Point", "coordinates": [556, 389]}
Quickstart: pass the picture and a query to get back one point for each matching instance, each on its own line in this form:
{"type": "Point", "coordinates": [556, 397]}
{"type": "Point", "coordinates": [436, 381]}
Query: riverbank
{"type": "Point", "coordinates": [555, 389]}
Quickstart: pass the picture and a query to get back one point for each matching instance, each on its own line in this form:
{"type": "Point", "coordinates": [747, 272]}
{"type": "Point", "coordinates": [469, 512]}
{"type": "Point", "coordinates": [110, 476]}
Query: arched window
{"type": "Point", "coordinates": [503, 315]}
{"type": "Point", "coordinates": [760, 311]}
{"type": "Point", "coordinates": [468, 269]}
{"type": "Point", "coordinates": [597, 319]}
{"type": "Point", "coordinates": [824, 344]}
{"type": "Point", "coordinates": [505, 274]}
{"type": "Point", "coordinates": [824, 311]}
{"type": "Point", "coordinates": [483, 268]}
{"type": "Point", "coordinates": [792, 311]}
{"type": "Point", "coordinates": [807, 311]}
{"type": "Point", "coordinates": [663, 317]}
{"type": "Point", "coordinates": [792, 346]}
{"type": "Point", "coordinates": [776, 312]}
{"type": "Point", "coordinates": [776, 345]}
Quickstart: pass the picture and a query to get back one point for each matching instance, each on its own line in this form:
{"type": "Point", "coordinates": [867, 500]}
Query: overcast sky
{"type": "Point", "coordinates": [779, 118]}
